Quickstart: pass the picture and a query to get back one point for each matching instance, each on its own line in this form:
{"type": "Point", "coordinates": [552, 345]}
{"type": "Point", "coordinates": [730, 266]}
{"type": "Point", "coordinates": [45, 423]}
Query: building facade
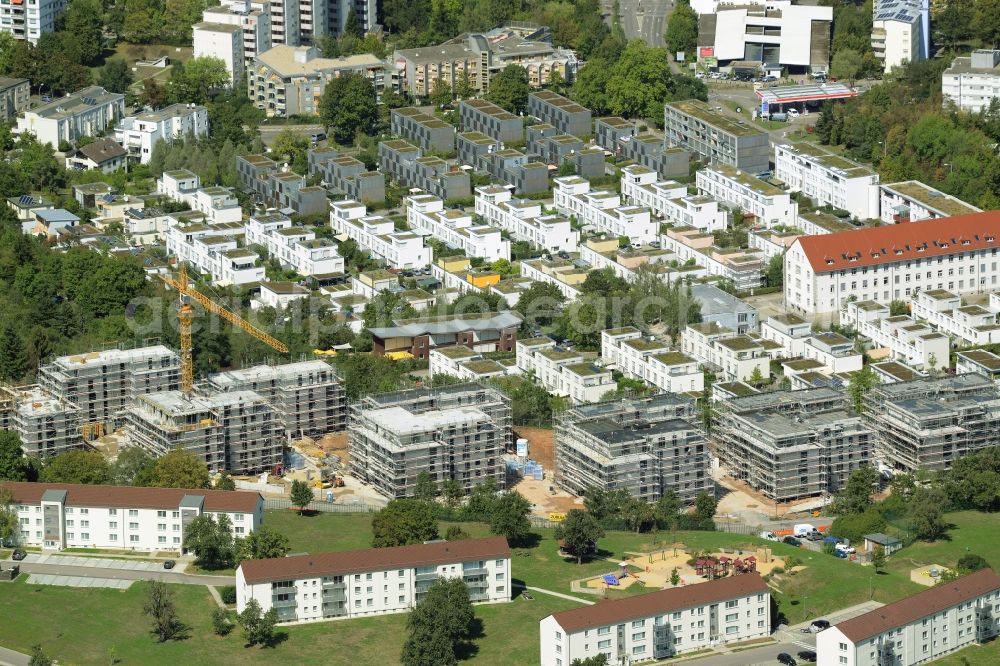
{"type": "Point", "coordinates": [828, 179]}
{"type": "Point", "coordinates": [716, 138]}
{"type": "Point", "coordinates": [139, 134]}
{"type": "Point", "coordinates": [87, 112]}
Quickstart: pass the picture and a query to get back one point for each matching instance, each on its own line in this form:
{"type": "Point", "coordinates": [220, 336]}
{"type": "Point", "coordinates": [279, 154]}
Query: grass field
{"type": "Point", "coordinates": [971, 532]}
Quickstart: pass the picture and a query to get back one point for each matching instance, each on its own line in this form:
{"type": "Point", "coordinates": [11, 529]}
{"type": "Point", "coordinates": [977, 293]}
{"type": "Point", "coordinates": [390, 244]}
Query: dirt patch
{"type": "Point", "coordinates": [537, 492]}
{"type": "Point", "coordinates": [335, 444]}
{"type": "Point", "coordinates": [540, 447]}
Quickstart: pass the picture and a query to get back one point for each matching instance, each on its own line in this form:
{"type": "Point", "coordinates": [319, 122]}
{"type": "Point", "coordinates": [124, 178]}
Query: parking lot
{"type": "Point", "coordinates": [94, 562]}
{"type": "Point", "coordinates": [79, 581]}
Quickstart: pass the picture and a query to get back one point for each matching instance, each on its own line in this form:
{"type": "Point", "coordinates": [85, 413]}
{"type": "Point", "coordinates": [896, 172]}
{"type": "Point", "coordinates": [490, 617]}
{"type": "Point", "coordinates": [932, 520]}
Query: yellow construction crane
{"type": "Point", "coordinates": [185, 316]}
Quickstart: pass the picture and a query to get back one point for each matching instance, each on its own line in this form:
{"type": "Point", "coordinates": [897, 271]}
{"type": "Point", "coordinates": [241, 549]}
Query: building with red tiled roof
{"type": "Point", "coordinates": [373, 581]}
{"type": "Point", "coordinates": [887, 263]}
{"type": "Point", "coordinates": [68, 515]}
{"type": "Point", "coordinates": [922, 628]}
{"type": "Point", "coordinates": [660, 624]}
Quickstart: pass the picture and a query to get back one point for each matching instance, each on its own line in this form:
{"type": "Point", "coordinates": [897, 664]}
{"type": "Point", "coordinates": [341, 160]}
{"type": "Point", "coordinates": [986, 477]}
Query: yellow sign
{"type": "Point", "coordinates": [556, 517]}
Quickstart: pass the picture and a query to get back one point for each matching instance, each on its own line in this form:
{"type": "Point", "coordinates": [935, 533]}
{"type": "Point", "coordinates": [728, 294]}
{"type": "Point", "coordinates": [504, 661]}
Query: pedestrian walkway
{"type": "Point", "coordinates": [12, 658]}
{"type": "Point", "coordinates": [553, 593]}
{"type": "Point", "coordinates": [79, 581]}
{"type": "Point", "coordinates": [215, 595]}
{"type": "Point", "coordinates": [96, 562]}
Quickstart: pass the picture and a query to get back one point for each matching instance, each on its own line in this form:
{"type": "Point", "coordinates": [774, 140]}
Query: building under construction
{"type": "Point", "coordinates": [647, 446]}
{"type": "Point", "coordinates": [236, 431]}
{"type": "Point", "coordinates": [455, 432]}
{"type": "Point", "coordinates": [103, 384]}
{"type": "Point", "coordinates": [46, 425]}
{"type": "Point", "coordinates": [791, 444]}
{"type": "Point", "coordinates": [308, 397]}
{"type": "Point", "coordinates": [928, 423]}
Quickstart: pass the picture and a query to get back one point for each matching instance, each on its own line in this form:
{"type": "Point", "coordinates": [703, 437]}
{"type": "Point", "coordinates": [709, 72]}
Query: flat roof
{"type": "Point", "coordinates": [805, 93]}
{"type": "Point", "coordinates": [282, 59]}
{"type": "Point", "coordinates": [703, 112]}
{"type": "Point", "coordinates": [932, 198]}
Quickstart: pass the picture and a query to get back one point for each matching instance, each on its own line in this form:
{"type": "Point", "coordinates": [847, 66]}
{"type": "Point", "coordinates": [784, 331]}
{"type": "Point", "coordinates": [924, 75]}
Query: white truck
{"type": "Point", "coordinates": [803, 529]}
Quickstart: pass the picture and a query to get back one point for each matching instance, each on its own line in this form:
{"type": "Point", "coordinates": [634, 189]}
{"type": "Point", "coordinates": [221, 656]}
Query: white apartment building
{"type": "Point", "coordinates": [626, 261]}
{"type": "Point", "coordinates": [906, 339]}
{"type": "Point", "coordinates": [253, 19]}
{"type": "Point", "coordinates": [734, 356]}
{"type": "Point", "coordinates": [139, 134]}
{"type": "Point", "coordinates": [922, 628]}
{"type": "Point", "coordinates": [214, 252]}
{"type": "Point", "coordinates": [892, 262]}
{"type": "Point", "coordinates": [604, 210]}
{"type": "Point", "coordinates": [900, 31]}
{"type": "Point", "coordinates": [375, 581]}
{"type": "Point", "coordinates": [377, 234]}
{"type": "Point", "coordinates": [87, 112]}
{"type": "Point", "coordinates": [980, 362]}
{"type": "Point", "coordinates": [524, 220]}
{"type": "Point", "coordinates": [56, 516]}
{"type": "Point", "coordinates": [659, 624]}
{"type": "Point", "coordinates": [968, 324]}
{"type": "Point", "coordinates": [28, 21]}
{"type": "Point", "coordinates": [650, 360]}
{"type": "Point", "coordinates": [563, 275]}
{"type": "Point", "coordinates": [223, 41]}
{"type": "Point", "coordinates": [295, 247]}
{"type": "Point", "coordinates": [972, 83]}
{"type": "Point", "coordinates": [770, 205]}
{"type": "Point", "coordinates": [670, 201]}
{"type": "Point", "coordinates": [426, 213]}
{"type": "Point", "coordinates": [912, 201]}
{"type": "Point", "coordinates": [279, 295]}
{"type": "Point", "coordinates": [144, 226]}
{"type": "Point", "coordinates": [562, 372]}
{"type": "Point", "coordinates": [828, 179]}
{"type": "Point", "coordinates": [466, 364]}
{"type": "Point", "coordinates": [778, 31]}
{"type": "Point", "coordinates": [833, 351]}
{"type": "Point", "coordinates": [218, 204]}
{"type": "Point", "coordinates": [743, 267]}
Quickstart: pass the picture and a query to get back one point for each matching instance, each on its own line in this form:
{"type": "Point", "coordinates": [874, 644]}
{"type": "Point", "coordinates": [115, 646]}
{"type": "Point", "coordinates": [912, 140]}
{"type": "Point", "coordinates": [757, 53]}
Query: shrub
{"type": "Point", "coordinates": [228, 594]}
{"type": "Point", "coordinates": [777, 571]}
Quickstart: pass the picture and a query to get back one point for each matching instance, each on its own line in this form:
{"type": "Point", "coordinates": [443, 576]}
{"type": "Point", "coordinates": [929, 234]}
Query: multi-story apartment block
{"type": "Point", "coordinates": [659, 625]}
{"type": "Point", "coordinates": [907, 340]}
{"type": "Point", "coordinates": [603, 209]}
{"type": "Point", "coordinates": [833, 351]}
{"type": "Point", "coordinates": [611, 132]}
{"type": "Point", "coordinates": [308, 397]}
{"type": "Point", "coordinates": [670, 201]}
{"type": "Point", "coordinates": [466, 364]}
{"type": "Point", "coordinates": [56, 516]}
{"type": "Point", "coordinates": [524, 173]}
{"type": "Point", "coordinates": [556, 149]}
{"type": "Point", "coordinates": [295, 247]}
{"type": "Point", "coordinates": [214, 253]}
{"type": "Point", "coordinates": [426, 214]}
{"type": "Point", "coordinates": [406, 164]}
{"type": "Point", "coordinates": [347, 175]}
{"type": "Point", "coordinates": [900, 32]}
{"type": "Point", "coordinates": [252, 16]}
{"type": "Point", "coordinates": [219, 205]}
{"type": "Point", "coordinates": [828, 179]}
{"type": "Point", "coordinates": [724, 309]}
{"type": "Point", "coordinates": [377, 234]}
{"type": "Point", "coordinates": [924, 627]}
{"type": "Point", "coordinates": [485, 117]}
{"type": "Point", "coordinates": [14, 93]}
{"type": "Point", "coordinates": [524, 220]}
{"type": "Point", "coordinates": [286, 80]}
{"type": "Point", "coordinates": [139, 134]}
{"type": "Point", "coordinates": [486, 332]}
{"type": "Point", "coordinates": [968, 324]}
{"type": "Point", "coordinates": [223, 41]}
{"type": "Point", "coordinates": [972, 83]}
{"type": "Point", "coordinates": [912, 201]}
{"type": "Point", "coordinates": [458, 433]}
{"type": "Point", "coordinates": [743, 267]}
{"type": "Point", "coordinates": [103, 384]}
{"type": "Point", "coordinates": [791, 444]}
{"type": "Point", "coordinates": [423, 130]}
{"type": "Point", "coordinates": [627, 261]}
{"type": "Point", "coordinates": [480, 57]}
{"type": "Point", "coordinates": [565, 115]}
{"type": "Point", "coordinates": [376, 581]}
{"type": "Point", "coordinates": [647, 446]}
{"type": "Point", "coordinates": [736, 357]}
{"type": "Point", "coordinates": [769, 205]}
{"type": "Point", "coordinates": [980, 362]}
{"type": "Point", "coordinates": [652, 152]}
{"type": "Point", "coordinates": [928, 423]}
{"type": "Point", "coordinates": [788, 35]}
{"type": "Point", "coordinates": [562, 274]}
{"type": "Point", "coordinates": [818, 223]}
{"type": "Point", "coordinates": [650, 360]}
{"type": "Point", "coordinates": [892, 262]}
{"type": "Point", "coordinates": [277, 187]}
{"type": "Point", "coordinates": [564, 373]}
{"type": "Point", "coordinates": [29, 21]}
{"type": "Point", "coordinates": [715, 137]}
{"type": "Point", "coordinates": [236, 431]}
{"type": "Point", "coordinates": [87, 112]}
{"type": "Point", "coordinates": [474, 149]}
{"type": "Point", "coordinates": [47, 425]}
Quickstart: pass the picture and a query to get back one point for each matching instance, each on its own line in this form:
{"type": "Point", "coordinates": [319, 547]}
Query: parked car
{"type": "Point", "coordinates": [169, 564]}
{"type": "Point", "coordinates": [815, 536]}
{"type": "Point", "coordinates": [844, 548]}
{"type": "Point", "coordinates": [819, 625]}
{"type": "Point", "coordinates": [793, 113]}
{"type": "Point", "coordinates": [770, 536]}
{"type": "Point", "coordinates": [18, 555]}
{"type": "Point", "coordinates": [316, 137]}
{"type": "Point", "coordinates": [786, 659]}
{"type": "Point", "coordinates": [791, 541]}
{"type": "Point", "coordinates": [807, 655]}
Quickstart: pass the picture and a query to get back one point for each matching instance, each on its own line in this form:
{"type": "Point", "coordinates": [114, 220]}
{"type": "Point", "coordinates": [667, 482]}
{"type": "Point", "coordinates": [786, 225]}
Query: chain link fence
{"type": "Point", "coordinates": [325, 507]}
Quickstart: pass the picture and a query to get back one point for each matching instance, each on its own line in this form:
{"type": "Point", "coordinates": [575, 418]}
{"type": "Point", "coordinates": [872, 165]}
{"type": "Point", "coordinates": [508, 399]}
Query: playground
{"type": "Point", "coordinates": [654, 569]}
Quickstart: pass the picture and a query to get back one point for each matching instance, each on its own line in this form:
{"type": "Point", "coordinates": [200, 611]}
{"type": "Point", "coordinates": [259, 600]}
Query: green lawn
{"type": "Point", "coordinates": [976, 655]}
{"type": "Point", "coordinates": [971, 532]}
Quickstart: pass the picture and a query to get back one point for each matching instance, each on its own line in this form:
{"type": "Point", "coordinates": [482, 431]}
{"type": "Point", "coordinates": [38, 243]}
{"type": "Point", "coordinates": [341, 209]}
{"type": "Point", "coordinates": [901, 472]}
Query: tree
{"type": "Point", "coordinates": [846, 64]}
{"type": "Point", "coordinates": [463, 87]}
{"type": "Point", "coordinates": [668, 508]}
{"type": "Point", "coordinates": [180, 469]}
{"type": "Point", "coordinates": [926, 513]}
{"type": "Point", "coordinates": [225, 482]}
{"type": "Point", "coordinates": [13, 359]}
{"type": "Point", "coordinates": [116, 76]}
{"type": "Point", "coordinates": [856, 496]}
{"type": "Point", "coordinates": [211, 540]}
{"type": "Point", "coordinates": [510, 517]}
{"type": "Point", "coordinates": [482, 500]}
{"type": "Point", "coordinates": [262, 544]}
{"type": "Point", "coordinates": [601, 503]}
{"type": "Point", "coordinates": [438, 624]}
{"type": "Point", "coordinates": [348, 106]}
{"type": "Point", "coordinates": [39, 658]}
{"type": "Point", "coordinates": [302, 495]}
{"type": "Point", "coordinates": [705, 505]}
{"type": "Point", "coordinates": [83, 20]}
{"type": "Point", "coordinates": [898, 307]}
{"type": "Point", "coordinates": [539, 304]}
{"type": "Point", "coordinates": [987, 22]}
{"type": "Point", "coordinates": [160, 606]}
{"type": "Point", "coordinates": [756, 377]}
{"type": "Point", "coordinates": [973, 482]}
{"type": "Point", "coordinates": [13, 466]}
{"type": "Point", "coordinates": [197, 79]}
{"type": "Point", "coordinates": [638, 515]}
{"type": "Point", "coordinates": [221, 623]}
{"type": "Point", "coordinates": [258, 627]}
{"type": "Point", "coordinates": [579, 533]}
{"type": "Point", "coordinates": [859, 385]}
{"type": "Point", "coordinates": [453, 493]}
{"type": "Point", "coordinates": [133, 467]}
{"type": "Point", "coordinates": [79, 466]}
{"type": "Point", "coordinates": [971, 562]}
{"type": "Point", "coordinates": [675, 577]}
{"type": "Point", "coordinates": [775, 273]}
{"type": "Point", "coordinates": [878, 558]}
{"type": "Point", "coordinates": [682, 30]}
{"type": "Point", "coordinates": [854, 526]}
{"type": "Point", "coordinates": [403, 522]}
{"type": "Point", "coordinates": [441, 93]}
{"type": "Point", "coordinates": [352, 24]}
{"type": "Point", "coordinates": [455, 533]}
{"type": "Point", "coordinates": [600, 659]}
{"type": "Point", "coordinates": [509, 89]}
{"type": "Point", "coordinates": [426, 488]}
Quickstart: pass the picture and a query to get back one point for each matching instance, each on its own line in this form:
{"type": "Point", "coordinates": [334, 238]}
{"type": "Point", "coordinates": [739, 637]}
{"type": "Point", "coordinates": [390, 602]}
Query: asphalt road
{"type": "Point", "coordinates": [642, 19]}
{"type": "Point", "coordinates": [124, 574]}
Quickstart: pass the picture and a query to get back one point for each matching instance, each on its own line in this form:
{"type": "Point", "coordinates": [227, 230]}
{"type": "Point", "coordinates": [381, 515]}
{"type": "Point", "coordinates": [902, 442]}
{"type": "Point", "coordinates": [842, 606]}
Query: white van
{"type": "Point", "coordinates": [803, 529]}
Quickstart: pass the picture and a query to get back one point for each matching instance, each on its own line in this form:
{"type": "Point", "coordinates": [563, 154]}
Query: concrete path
{"type": "Point", "coordinates": [218, 597]}
{"type": "Point", "coordinates": [553, 593]}
{"type": "Point", "coordinates": [12, 658]}
{"type": "Point", "coordinates": [79, 581]}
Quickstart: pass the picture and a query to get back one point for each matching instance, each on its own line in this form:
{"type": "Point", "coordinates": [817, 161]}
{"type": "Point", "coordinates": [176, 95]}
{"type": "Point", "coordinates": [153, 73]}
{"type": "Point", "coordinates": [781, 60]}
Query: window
{"type": "Point", "coordinates": [69, 523]}
{"type": "Point", "coordinates": [112, 512]}
{"type": "Point", "coordinates": [603, 631]}
{"type": "Point", "coordinates": [843, 659]}
{"type": "Point", "coordinates": [85, 536]}
{"type": "Point", "coordinates": [133, 513]}
{"type": "Point", "coordinates": [637, 624]}
{"type": "Point", "coordinates": [112, 537]}
{"type": "Point", "coordinates": [133, 538]}
{"type": "Point", "coordinates": [133, 526]}
{"type": "Point", "coordinates": [161, 527]}
{"type": "Point", "coordinates": [558, 635]}
{"type": "Point", "coordinates": [731, 604]}
{"type": "Point", "coordinates": [161, 539]}
{"type": "Point", "coordinates": [604, 644]}
{"type": "Point", "coordinates": [842, 647]}
{"type": "Point", "coordinates": [732, 617]}
{"type": "Point", "coordinates": [638, 649]}
{"type": "Point", "coordinates": [161, 514]}
{"type": "Point", "coordinates": [732, 629]}
{"type": "Point", "coordinates": [639, 636]}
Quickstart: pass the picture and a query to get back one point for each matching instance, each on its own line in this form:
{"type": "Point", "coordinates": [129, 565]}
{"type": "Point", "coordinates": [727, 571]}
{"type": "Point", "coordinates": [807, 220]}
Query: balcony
{"type": "Point", "coordinates": [431, 575]}
{"type": "Point", "coordinates": [284, 603]}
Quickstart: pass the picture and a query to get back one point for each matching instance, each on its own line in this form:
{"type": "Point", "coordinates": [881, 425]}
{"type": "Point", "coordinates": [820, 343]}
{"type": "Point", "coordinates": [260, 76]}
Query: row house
{"type": "Point", "coordinates": [602, 209]}
{"type": "Point", "coordinates": [398, 249]}
{"type": "Point", "coordinates": [524, 220]}
{"type": "Point", "coordinates": [670, 201]}
{"type": "Point", "coordinates": [426, 213]}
